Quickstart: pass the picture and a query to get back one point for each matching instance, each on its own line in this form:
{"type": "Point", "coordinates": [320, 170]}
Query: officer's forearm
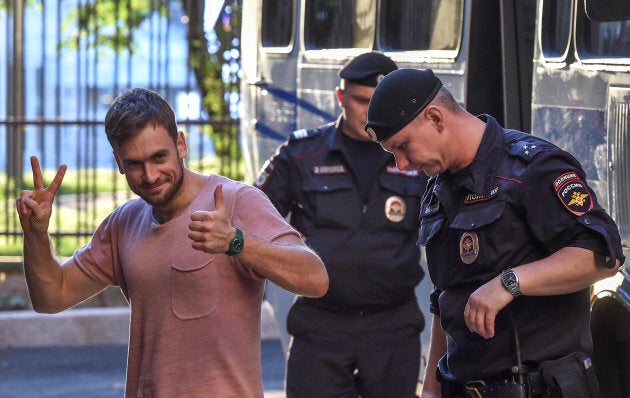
{"type": "Point", "coordinates": [568, 270]}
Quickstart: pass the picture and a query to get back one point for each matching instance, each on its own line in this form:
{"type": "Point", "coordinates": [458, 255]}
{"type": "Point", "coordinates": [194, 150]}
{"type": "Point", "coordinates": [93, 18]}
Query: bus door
{"type": "Point", "coordinates": [581, 102]}
{"type": "Point", "coordinates": [270, 47]}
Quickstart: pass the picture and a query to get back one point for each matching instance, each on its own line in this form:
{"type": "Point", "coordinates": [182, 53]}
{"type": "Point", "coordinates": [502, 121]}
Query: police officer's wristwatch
{"type": "Point", "coordinates": [509, 280]}
{"type": "Point", "coordinates": [236, 244]}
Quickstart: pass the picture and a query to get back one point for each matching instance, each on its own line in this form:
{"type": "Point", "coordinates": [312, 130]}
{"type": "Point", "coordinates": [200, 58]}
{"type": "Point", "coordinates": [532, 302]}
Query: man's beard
{"type": "Point", "coordinates": [167, 196]}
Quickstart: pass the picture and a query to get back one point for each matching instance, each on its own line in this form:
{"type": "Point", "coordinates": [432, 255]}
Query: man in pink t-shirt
{"type": "Point", "coordinates": [191, 255]}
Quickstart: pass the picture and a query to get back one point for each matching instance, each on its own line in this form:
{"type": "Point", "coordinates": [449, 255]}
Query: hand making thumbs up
{"type": "Point", "coordinates": [212, 231]}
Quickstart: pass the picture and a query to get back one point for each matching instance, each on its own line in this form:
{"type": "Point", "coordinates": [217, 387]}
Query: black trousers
{"type": "Point", "coordinates": [373, 355]}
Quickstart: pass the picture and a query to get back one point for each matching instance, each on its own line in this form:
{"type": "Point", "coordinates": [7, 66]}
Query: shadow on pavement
{"type": "Point", "coordinates": [96, 371]}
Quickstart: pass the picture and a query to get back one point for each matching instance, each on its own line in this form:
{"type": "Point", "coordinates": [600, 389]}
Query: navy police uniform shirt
{"type": "Point", "coordinates": [368, 244]}
{"type": "Point", "coordinates": [520, 200]}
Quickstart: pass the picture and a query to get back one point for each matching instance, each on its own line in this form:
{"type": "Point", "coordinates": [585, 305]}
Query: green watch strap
{"type": "Point", "coordinates": [236, 244]}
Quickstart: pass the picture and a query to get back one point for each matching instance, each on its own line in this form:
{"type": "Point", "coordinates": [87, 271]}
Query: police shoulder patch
{"type": "Point", "coordinates": [263, 177]}
{"type": "Point", "coordinates": [573, 193]}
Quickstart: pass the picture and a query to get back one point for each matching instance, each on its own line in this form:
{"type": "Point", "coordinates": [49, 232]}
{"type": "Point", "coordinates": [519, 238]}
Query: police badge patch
{"type": "Point", "coordinates": [573, 193]}
{"type": "Point", "coordinates": [469, 247]}
{"type": "Point", "coordinates": [395, 208]}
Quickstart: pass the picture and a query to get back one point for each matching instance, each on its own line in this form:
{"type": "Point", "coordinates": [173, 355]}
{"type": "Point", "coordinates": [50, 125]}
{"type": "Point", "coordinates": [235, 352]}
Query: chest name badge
{"type": "Point", "coordinates": [573, 193]}
{"type": "Point", "coordinates": [407, 173]}
{"type": "Point", "coordinates": [395, 208]}
{"type": "Point", "coordinates": [469, 247]}
{"type": "Point", "coordinates": [472, 197]}
{"type": "Point", "coordinates": [329, 169]}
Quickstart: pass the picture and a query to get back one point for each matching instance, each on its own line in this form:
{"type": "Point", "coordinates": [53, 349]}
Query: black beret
{"type": "Point", "coordinates": [398, 99]}
{"type": "Point", "coordinates": [367, 69]}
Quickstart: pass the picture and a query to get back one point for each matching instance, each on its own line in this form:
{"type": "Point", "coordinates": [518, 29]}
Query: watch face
{"type": "Point", "coordinates": [237, 245]}
{"type": "Point", "coordinates": [509, 279]}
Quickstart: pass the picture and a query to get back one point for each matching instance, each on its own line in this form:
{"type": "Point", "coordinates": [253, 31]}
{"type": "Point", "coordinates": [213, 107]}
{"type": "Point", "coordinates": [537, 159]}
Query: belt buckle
{"type": "Point", "coordinates": [472, 388]}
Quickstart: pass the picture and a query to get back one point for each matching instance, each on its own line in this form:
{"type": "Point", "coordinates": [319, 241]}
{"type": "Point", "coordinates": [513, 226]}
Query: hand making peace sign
{"type": "Point", "coordinates": [35, 207]}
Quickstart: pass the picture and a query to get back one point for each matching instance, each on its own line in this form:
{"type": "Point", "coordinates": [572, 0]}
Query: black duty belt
{"type": "Point", "coordinates": [534, 386]}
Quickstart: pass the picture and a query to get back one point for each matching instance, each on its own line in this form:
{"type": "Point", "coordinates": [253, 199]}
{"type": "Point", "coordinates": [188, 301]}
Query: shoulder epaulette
{"type": "Point", "coordinates": [303, 133]}
{"type": "Point", "coordinates": [525, 150]}
{"type": "Point", "coordinates": [523, 147]}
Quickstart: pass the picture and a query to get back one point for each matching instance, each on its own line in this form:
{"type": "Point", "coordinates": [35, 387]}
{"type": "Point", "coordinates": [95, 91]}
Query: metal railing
{"type": "Point", "coordinates": [57, 80]}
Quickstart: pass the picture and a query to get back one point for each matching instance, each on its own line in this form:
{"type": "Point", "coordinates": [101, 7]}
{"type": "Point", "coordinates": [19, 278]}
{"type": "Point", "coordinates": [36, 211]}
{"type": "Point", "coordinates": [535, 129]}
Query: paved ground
{"type": "Point", "coordinates": [81, 353]}
{"type": "Point", "coordinates": [95, 371]}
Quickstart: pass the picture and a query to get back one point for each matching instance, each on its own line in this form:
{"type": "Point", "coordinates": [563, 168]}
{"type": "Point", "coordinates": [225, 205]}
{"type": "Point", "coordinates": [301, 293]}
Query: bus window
{"type": "Point", "coordinates": [409, 25]}
{"type": "Point", "coordinates": [556, 28]}
{"type": "Point", "coordinates": [339, 24]}
{"type": "Point", "coordinates": [604, 39]}
{"type": "Point", "coordinates": [277, 23]}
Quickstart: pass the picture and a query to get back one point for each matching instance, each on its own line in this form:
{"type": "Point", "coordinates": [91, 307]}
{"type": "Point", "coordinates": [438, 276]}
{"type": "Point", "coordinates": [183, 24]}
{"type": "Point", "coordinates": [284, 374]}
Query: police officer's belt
{"type": "Point", "coordinates": [507, 388]}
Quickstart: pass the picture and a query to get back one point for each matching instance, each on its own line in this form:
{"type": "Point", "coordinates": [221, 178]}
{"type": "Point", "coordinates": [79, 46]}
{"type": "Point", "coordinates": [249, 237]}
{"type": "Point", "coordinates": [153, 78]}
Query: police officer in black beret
{"type": "Point", "coordinates": [514, 238]}
{"type": "Point", "coordinates": [360, 214]}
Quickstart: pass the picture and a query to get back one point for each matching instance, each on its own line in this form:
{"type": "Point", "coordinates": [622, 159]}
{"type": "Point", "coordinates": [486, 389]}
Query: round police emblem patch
{"type": "Point", "coordinates": [469, 247]}
{"type": "Point", "coordinates": [395, 208]}
{"type": "Point", "coordinates": [573, 193]}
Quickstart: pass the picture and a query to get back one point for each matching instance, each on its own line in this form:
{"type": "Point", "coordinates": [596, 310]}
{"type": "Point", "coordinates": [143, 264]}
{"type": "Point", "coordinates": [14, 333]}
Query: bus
{"type": "Point", "coordinates": [559, 69]}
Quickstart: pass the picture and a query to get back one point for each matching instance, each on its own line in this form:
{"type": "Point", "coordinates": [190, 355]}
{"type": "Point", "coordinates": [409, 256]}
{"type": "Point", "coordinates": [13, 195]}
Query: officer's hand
{"type": "Point", "coordinates": [34, 207]}
{"type": "Point", "coordinates": [212, 231]}
{"type": "Point", "coordinates": [483, 306]}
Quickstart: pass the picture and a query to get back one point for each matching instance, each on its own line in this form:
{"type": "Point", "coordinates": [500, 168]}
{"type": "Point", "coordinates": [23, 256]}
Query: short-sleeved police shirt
{"type": "Point", "coordinates": [368, 245]}
{"type": "Point", "coordinates": [520, 200]}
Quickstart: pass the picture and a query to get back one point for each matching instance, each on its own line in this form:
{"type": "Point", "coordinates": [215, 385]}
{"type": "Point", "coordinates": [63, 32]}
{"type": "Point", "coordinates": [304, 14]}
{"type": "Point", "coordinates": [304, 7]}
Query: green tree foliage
{"type": "Point", "coordinates": [217, 75]}
{"type": "Point", "coordinates": [111, 24]}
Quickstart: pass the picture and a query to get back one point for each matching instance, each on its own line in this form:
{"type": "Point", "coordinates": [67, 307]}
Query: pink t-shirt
{"type": "Point", "coordinates": [195, 317]}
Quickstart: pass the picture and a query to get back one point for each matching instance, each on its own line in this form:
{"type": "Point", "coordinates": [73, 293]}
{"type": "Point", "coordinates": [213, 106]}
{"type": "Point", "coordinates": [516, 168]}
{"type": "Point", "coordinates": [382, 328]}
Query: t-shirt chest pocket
{"type": "Point", "coordinates": [195, 289]}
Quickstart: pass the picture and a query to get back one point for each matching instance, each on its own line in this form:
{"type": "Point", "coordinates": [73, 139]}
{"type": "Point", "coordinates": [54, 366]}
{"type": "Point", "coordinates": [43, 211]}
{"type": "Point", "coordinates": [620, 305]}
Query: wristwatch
{"type": "Point", "coordinates": [509, 280]}
{"type": "Point", "coordinates": [236, 244]}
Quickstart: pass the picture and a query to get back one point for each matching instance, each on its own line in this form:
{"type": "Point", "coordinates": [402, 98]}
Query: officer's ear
{"type": "Point", "coordinates": [434, 115]}
{"type": "Point", "coordinates": [339, 95]}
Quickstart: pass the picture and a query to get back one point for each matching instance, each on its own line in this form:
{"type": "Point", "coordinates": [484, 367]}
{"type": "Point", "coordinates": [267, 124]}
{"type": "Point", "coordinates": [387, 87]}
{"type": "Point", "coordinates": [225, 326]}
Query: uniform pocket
{"type": "Point", "coordinates": [478, 217]}
{"type": "Point", "coordinates": [478, 228]}
{"type": "Point", "coordinates": [336, 204]}
{"type": "Point", "coordinates": [398, 206]}
{"type": "Point", "coordinates": [195, 290]}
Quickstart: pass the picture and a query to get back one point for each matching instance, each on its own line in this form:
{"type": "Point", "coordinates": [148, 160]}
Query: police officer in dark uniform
{"type": "Point", "coordinates": [514, 237]}
{"type": "Point", "coordinates": [359, 213]}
